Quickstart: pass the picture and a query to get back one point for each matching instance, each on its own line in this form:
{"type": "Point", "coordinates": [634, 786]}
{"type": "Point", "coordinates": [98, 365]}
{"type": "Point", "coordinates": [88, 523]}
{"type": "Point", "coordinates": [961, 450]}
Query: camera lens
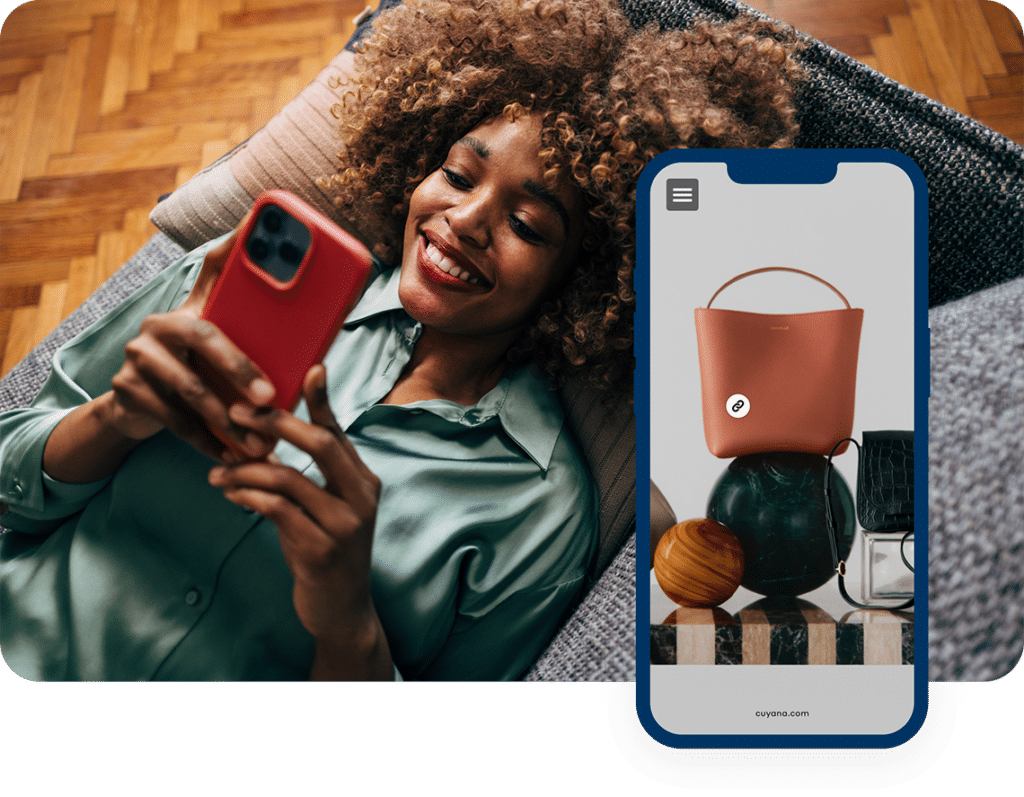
{"type": "Point", "coordinates": [272, 220]}
{"type": "Point", "coordinates": [258, 249]}
{"type": "Point", "coordinates": [290, 253]}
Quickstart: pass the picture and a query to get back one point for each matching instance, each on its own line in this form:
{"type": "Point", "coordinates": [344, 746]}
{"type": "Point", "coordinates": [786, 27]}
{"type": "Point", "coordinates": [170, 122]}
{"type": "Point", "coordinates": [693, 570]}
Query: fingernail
{"type": "Point", "coordinates": [239, 411]}
{"type": "Point", "coordinates": [261, 391]}
{"type": "Point", "coordinates": [216, 474]}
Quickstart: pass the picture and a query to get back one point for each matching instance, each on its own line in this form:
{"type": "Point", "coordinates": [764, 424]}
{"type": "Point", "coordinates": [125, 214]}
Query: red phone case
{"type": "Point", "coordinates": [286, 327]}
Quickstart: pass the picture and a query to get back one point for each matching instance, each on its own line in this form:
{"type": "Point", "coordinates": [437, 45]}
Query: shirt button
{"type": "Point", "coordinates": [16, 489]}
{"type": "Point", "coordinates": [192, 597]}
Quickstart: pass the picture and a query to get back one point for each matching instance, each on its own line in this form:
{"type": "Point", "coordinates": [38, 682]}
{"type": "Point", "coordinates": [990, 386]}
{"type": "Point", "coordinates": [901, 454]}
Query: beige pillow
{"type": "Point", "coordinates": [295, 149]}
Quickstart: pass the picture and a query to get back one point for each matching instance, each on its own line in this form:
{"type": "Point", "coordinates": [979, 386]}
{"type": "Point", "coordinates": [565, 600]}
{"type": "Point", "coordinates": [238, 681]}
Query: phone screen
{"type": "Point", "coordinates": [784, 660]}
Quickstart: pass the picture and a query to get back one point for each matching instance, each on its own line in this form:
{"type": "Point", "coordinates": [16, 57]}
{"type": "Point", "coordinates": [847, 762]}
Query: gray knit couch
{"type": "Point", "coordinates": [976, 289]}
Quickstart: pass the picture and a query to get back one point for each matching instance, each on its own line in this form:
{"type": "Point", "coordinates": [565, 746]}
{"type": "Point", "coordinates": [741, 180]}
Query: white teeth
{"type": "Point", "coordinates": [447, 265]}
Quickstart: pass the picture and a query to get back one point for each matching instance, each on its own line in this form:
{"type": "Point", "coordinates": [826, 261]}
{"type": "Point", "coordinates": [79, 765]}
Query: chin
{"type": "Point", "coordinates": [420, 301]}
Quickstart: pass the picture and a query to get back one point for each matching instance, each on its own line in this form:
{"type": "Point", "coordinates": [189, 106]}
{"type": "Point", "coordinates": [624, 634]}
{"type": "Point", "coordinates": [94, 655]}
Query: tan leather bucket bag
{"type": "Point", "coordinates": [777, 382]}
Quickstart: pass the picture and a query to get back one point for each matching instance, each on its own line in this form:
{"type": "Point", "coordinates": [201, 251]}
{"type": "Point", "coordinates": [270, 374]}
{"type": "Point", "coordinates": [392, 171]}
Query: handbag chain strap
{"type": "Point", "coordinates": [780, 268]}
{"type": "Point", "coordinates": [833, 537]}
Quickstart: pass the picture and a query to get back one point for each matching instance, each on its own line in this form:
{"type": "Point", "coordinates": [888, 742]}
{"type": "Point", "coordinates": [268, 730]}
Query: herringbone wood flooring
{"type": "Point", "coordinates": [107, 104]}
{"type": "Point", "coordinates": [967, 54]}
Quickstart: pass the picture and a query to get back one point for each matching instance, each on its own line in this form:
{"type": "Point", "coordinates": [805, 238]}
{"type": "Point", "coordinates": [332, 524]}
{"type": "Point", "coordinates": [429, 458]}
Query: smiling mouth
{"type": "Point", "coordinates": [449, 266]}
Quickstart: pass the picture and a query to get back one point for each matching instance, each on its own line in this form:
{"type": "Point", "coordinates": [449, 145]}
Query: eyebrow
{"type": "Point", "coordinates": [532, 187]}
{"type": "Point", "coordinates": [476, 145]}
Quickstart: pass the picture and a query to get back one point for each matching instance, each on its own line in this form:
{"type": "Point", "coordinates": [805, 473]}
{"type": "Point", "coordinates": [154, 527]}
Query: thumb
{"type": "Point", "coordinates": [314, 390]}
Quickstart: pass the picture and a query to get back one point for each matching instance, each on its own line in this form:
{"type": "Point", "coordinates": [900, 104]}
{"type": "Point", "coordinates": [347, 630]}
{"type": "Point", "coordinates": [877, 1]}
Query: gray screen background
{"type": "Point", "coordinates": [855, 232]}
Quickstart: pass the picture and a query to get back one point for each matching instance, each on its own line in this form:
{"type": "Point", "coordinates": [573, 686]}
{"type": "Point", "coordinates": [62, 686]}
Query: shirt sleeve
{"type": "Point", "coordinates": [513, 596]}
{"type": "Point", "coordinates": [30, 500]}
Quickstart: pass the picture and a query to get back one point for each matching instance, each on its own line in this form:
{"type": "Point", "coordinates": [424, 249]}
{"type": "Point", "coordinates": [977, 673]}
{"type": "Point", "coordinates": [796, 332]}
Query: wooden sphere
{"type": "Point", "coordinates": [699, 563]}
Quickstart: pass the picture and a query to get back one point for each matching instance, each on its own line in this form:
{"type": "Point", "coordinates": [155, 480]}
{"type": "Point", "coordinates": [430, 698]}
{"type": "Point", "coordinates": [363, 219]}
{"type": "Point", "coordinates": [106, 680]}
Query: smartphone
{"type": "Point", "coordinates": [290, 280]}
{"type": "Point", "coordinates": [787, 661]}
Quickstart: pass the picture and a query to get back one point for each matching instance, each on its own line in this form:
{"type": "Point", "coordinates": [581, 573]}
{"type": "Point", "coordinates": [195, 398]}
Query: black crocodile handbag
{"type": "Point", "coordinates": [885, 495]}
{"type": "Point", "coordinates": [885, 481]}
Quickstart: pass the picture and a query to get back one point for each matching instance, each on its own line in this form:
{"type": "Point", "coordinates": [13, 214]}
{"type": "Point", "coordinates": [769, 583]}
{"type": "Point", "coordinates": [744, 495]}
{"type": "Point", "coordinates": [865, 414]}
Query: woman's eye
{"type": "Point", "coordinates": [455, 179]}
{"type": "Point", "coordinates": [519, 227]}
{"type": "Point", "coordinates": [525, 231]}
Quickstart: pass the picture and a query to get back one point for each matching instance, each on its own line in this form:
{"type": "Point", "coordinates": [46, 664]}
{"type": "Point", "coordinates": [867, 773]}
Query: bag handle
{"type": "Point", "coordinates": [780, 268]}
{"type": "Point", "coordinates": [833, 535]}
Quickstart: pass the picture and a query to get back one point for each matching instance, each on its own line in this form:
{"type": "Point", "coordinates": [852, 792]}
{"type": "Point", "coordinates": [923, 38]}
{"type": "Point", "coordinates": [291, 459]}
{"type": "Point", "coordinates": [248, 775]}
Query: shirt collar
{"type": "Point", "coordinates": [531, 412]}
{"type": "Point", "coordinates": [380, 296]}
{"type": "Point", "coordinates": [523, 401]}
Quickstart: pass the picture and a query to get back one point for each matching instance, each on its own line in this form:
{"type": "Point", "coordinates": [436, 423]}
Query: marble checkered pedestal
{"type": "Point", "coordinates": [819, 627]}
{"type": "Point", "coordinates": [793, 631]}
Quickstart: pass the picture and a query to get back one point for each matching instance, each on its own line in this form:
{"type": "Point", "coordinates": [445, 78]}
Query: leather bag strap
{"type": "Point", "coordinates": [780, 268]}
{"type": "Point", "coordinates": [833, 535]}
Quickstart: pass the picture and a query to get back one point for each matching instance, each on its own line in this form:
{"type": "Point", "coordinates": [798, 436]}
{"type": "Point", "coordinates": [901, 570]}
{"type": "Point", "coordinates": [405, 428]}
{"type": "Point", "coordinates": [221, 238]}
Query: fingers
{"type": "Point", "coordinates": [181, 370]}
{"type": "Point", "coordinates": [182, 373]}
{"type": "Point", "coordinates": [180, 333]}
{"type": "Point", "coordinates": [326, 533]}
{"type": "Point", "coordinates": [144, 412]}
{"type": "Point", "coordinates": [307, 548]}
{"type": "Point", "coordinates": [310, 518]}
{"type": "Point", "coordinates": [345, 473]}
{"type": "Point", "coordinates": [314, 390]}
{"type": "Point", "coordinates": [326, 546]}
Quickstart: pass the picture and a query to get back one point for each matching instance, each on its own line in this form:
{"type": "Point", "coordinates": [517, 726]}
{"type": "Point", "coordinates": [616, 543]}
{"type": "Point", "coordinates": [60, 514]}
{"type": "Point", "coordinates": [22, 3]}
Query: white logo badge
{"type": "Point", "coordinates": [737, 405]}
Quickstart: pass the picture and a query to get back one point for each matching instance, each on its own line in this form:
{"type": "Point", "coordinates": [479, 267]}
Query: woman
{"type": "Point", "coordinates": [425, 513]}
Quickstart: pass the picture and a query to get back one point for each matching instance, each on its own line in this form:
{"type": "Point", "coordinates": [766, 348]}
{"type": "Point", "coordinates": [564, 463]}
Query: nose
{"type": "Point", "coordinates": [470, 219]}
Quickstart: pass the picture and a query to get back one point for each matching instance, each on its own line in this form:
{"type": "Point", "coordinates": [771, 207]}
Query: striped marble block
{"type": "Point", "coordinates": [795, 633]}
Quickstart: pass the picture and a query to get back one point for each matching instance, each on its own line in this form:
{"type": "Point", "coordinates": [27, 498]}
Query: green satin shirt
{"type": "Point", "coordinates": [486, 524]}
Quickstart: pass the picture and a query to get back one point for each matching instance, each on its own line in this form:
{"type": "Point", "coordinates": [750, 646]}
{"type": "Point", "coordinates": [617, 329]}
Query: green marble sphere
{"type": "Point", "coordinates": [775, 505]}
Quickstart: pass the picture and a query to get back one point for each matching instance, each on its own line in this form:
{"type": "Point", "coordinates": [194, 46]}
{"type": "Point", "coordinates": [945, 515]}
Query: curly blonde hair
{"type": "Point", "coordinates": [610, 99]}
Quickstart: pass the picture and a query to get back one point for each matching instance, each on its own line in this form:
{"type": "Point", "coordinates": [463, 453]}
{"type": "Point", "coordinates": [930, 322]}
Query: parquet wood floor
{"type": "Point", "coordinates": [107, 104]}
{"type": "Point", "coordinates": [967, 54]}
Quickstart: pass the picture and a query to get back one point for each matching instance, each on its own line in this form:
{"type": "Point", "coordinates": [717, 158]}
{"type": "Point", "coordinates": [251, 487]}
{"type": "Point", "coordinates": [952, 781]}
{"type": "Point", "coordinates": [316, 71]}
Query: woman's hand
{"type": "Point", "coordinates": [158, 386]}
{"type": "Point", "coordinates": [326, 533]}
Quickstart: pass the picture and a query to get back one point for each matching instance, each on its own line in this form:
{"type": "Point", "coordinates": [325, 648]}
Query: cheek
{"type": "Point", "coordinates": [414, 210]}
{"type": "Point", "coordinates": [419, 208]}
{"type": "Point", "coordinates": [429, 194]}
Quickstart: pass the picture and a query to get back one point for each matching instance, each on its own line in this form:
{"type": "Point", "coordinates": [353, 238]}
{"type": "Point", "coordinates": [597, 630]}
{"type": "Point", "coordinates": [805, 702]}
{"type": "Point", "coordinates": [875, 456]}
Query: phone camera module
{"type": "Point", "coordinates": [290, 253]}
{"type": "Point", "coordinates": [259, 250]}
{"type": "Point", "coordinates": [278, 243]}
{"type": "Point", "coordinates": [272, 220]}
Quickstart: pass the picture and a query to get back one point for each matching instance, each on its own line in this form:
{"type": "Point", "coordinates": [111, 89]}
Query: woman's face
{"type": "Point", "coordinates": [486, 241]}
